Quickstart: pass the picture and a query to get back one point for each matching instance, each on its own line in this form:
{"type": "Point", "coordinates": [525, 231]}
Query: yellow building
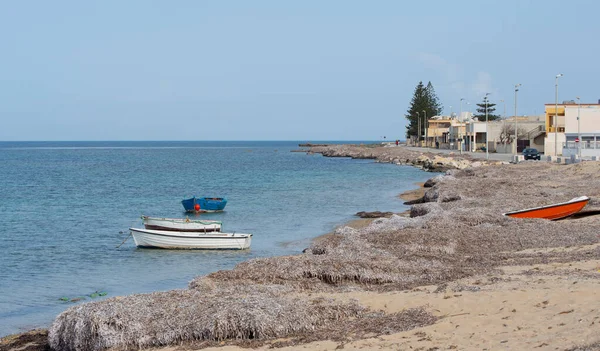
{"type": "Point", "coordinates": [555, 128]}
{"type": "Point", "coordinates": [437, 130]}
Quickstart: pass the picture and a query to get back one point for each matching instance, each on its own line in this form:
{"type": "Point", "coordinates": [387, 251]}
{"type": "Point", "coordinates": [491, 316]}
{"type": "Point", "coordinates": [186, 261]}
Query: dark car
{"type": "Point", "coordinates": [531, 154]}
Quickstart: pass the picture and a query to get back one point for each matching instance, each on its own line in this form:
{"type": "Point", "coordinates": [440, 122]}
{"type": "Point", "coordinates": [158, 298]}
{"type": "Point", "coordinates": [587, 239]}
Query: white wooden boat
{"type": "Point", "coordinates": [181, 224]}
{"type": "Point", "coordinates": [166, 239]}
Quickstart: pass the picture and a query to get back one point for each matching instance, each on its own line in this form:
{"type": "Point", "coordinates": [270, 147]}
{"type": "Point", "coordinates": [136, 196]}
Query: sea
{"type": "Point", "coordinates": [66, 207]}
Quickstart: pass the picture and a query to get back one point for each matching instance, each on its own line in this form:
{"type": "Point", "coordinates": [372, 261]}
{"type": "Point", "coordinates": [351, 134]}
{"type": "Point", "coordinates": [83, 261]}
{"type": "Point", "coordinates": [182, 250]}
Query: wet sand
{"type": "Point", "coordinates": [415, 194]}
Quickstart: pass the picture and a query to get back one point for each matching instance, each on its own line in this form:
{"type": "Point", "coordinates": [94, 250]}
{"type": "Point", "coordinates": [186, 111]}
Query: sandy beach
{"type": "Point", "coordinates": [451, 274]}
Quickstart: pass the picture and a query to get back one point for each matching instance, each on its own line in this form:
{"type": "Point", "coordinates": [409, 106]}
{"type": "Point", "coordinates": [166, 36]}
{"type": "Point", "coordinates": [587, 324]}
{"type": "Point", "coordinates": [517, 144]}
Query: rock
{"type": "Point", "coordinates": [423, 209]}
{"type": "Point", "coordinates": [311, 145]}
{"type": "Point", "coordinates": [374, 214]}
{"type": "Point", "coordinates": [431, 195]}
{"type": "Point", "coordinates": [450, 197]}
{"type": "Point", "coordinates": [414, 202]}
{"type": "Point", "coordinates": [432, 181]}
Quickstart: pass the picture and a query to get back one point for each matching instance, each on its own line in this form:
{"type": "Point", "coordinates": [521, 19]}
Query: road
{"type": "Point", "coordinates": [479, 154]}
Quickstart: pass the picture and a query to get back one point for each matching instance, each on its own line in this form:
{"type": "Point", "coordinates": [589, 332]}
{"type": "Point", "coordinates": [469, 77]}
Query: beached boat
{"type": "Point", "coordinates": [204, 204]}
{"type": "Point", "coordinates": [166, 239]}
{"type": "Point", "coordinates": [182, 224]}
{"type": "Point", "coordinates": [555, 211]}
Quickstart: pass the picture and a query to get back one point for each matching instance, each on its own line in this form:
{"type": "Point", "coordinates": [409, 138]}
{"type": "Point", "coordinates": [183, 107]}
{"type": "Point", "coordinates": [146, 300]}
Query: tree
{"type": "Point", "coordinates": [507, 133]}
{"type": "Point", "coordinates": [434, 103]}
{"type": "Point", "coordinates": [481, 108]}
{"type": "Point", "coordinates": [424, 99]}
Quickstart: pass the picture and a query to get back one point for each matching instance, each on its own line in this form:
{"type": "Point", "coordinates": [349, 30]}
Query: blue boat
{"type": "Point", "coordinates": [204, 204]}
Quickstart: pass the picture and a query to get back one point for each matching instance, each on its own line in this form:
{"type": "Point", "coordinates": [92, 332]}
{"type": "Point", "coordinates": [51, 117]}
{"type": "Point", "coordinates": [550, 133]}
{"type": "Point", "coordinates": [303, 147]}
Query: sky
{"type": "Point", "coordinates": [280, 70]}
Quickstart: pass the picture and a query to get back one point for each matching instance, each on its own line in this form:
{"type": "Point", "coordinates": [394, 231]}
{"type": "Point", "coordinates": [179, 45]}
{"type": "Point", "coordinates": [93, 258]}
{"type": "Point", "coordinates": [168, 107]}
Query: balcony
{"type": "Point", "coordinates": [550, 111]}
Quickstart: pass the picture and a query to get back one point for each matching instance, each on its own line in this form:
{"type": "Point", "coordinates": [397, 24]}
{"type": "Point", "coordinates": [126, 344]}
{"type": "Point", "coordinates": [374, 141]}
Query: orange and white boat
{"type": "Point", "coordinates": [556, 211]}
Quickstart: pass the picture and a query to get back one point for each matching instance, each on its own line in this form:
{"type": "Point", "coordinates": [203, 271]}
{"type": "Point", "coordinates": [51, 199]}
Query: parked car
{"type": "Point", "coordinates": [531, 154]}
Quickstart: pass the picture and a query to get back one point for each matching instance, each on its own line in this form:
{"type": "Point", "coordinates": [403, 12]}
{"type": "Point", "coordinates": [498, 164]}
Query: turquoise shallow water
{"type": "Point", "coordinates": [66, 206]}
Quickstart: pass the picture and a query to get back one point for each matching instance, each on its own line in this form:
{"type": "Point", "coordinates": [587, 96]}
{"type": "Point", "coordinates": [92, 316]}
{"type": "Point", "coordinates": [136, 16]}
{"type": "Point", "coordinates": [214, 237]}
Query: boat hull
{"type": "Point", "coordinates": [207, 204]}
{"type": "Point", "coordinates": [190, 240]}
{"type": "Point", "coordinates": [181, 224]}
{"type": "Point", "coordinates": [552, 212]}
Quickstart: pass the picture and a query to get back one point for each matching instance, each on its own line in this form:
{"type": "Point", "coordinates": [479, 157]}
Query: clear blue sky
{"type": "Point", "coordinates": [279, 70]}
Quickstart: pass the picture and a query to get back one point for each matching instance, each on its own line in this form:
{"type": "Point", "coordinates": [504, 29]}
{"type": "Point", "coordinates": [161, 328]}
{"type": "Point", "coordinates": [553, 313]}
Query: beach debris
{"type": "Point", "coordinates": [93, 295]}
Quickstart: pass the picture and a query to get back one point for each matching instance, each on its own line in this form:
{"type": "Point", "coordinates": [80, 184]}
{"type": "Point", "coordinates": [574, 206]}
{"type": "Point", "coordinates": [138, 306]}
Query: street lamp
{"type": "Point", "coordinates": [418, 129]}
{"type": "Point", "coordinates": [556, 114]}
{"type": "Point", "coordinates": [460, 144]}
{"type": "Point", "coordinates": [487, 154]}
{"type": "Point", "coordinates": [425, 125]}
{"type": "Point", "coordinates": [472, 127]}
{"type": "Point", "coordinates": [579, 127]}
{"type": "Point", "coordinates": [516, 146]}
{"type": "Point", "coordinates": [503, 120]}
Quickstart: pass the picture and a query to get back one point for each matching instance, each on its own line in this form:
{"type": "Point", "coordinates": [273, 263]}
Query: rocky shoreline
{"type": "Point", "coordinates": [428, 161]}
{"type": "Point", "coordinates": [454, 274]}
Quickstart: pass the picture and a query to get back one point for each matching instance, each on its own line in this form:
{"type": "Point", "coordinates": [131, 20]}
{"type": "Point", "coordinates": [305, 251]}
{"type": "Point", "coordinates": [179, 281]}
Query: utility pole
{"type": "Point", "coordinates": [426, 126]}
{"type": "Point", "coordinates": [578, 127]}
{"type": "Point", "coordinates": [556, 115]}
{"type": "Point", "coordinates": [516, 142]}
{"type": "Point", "coordinates": [418, 129]}
{"type": "Point", "coordinates": [459, 123]}
{"type": "Point", "coordinates": [487, 153]}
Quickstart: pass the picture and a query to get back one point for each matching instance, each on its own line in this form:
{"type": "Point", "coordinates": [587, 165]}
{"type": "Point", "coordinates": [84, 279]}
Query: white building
{"type": "Point", "coordinates": [576, 135]}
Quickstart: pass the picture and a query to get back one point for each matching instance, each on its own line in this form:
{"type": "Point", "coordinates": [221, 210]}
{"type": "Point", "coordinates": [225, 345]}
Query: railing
{"type": "Point", "coordinates": [584, 145]}
{"type": "Point", "coordinates": [551, 129]}
{"type": "Point", "coordinates": [535, 132]}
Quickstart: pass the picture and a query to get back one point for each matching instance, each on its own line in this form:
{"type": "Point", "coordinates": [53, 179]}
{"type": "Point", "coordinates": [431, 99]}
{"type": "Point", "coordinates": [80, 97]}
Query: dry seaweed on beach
{"type": "Point", "coordinates": [33, 340]}
{"type": "Point", "coordinates": [591, 347]}
{"type": "Point", "coordinates": [189, 316]}
{"type": "Point", "coordinates": [173, 317]}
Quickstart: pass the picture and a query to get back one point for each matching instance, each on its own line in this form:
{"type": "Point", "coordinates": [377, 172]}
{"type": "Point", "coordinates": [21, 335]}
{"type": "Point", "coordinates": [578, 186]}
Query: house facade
{"type": "Point", "coordinates": [437, 131]}
{"type": "Point", "coordinates": [578, 129]}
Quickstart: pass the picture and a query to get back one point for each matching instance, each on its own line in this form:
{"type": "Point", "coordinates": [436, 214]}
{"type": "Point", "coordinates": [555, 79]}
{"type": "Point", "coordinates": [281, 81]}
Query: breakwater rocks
{"type": "Point", "coordinates": [402, 156]}
{"type": "Point", "coordinates": [311, 145]}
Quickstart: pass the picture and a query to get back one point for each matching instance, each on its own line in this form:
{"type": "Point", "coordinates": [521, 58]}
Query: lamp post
{"type": "Point", "coordinates": [503, 120]}
{"type": "Point", "coordinates": [556, 113]}
{"type": "Point", "coordinates": [487, 154]}
{"type": "Point", "coordinates": [460, 144]}
{"type": "Point", "coordinates": [418, 129]}
{"type": "Point", "coordinates": [425, 125]}
{"type": "Point", "coordinates": [516, 147]}
{"type": "Point", "coordinates": [579, 127]}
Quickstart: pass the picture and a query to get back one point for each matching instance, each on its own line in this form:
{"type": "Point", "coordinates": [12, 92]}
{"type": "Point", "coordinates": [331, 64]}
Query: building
{"type": "Point", "coordinates": [532, 132]}
{"type": "Point", "coordinates": [500, 134]}
{"type": "Point", "coordinates": [572, 135]}
{"type": "Point", "coordinates": [437, 131]}
{"type": "Point", "coordinates": [466, 133]}
{"type": "Point", "coordinates": [457, 133]}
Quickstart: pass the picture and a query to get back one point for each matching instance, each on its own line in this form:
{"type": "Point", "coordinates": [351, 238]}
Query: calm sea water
{"type": "Point", "coordinates": [66, 206]}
